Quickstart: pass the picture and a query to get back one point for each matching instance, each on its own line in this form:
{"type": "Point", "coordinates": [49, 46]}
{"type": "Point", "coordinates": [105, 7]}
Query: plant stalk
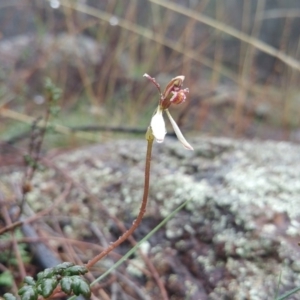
{"type": "Point", "coordinates": [142, 211]}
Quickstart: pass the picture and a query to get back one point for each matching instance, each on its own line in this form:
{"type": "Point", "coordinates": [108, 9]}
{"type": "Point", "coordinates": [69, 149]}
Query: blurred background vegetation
{"type": "Point", "coordinates": [240, 59]}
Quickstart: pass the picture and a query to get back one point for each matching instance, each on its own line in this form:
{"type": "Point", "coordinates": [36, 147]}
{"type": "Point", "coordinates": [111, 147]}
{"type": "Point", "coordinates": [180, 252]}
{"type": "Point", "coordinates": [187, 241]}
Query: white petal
{"type": "Point", "coordinates": [158, 125]}
{"type": "Point", "coordinates": [178, 133]}
{"type": "Point", "coordinates": [181, 77]}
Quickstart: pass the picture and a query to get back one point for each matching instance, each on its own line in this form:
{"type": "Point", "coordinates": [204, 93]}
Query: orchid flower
{"type": "Point", "coordinates": [173, 94]}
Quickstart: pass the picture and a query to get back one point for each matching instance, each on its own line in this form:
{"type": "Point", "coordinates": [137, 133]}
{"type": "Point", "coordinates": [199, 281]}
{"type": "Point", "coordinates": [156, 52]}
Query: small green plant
{"type": "Point", "coordinates": [38, 131]}
{"type": "Point", "coordinates": [6, 279]}
{"type": "Point", "coordinates": [5, 255]}
{"type": "Point", "coordinates": [67, 276]}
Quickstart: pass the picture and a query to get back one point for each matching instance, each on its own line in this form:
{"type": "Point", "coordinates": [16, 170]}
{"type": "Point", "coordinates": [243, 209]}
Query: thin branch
{"type": "Point", "coordinates": [16, 249]}
{"type": "Point", "coordinates": [35, 217]}
{"type": "Point", "coordinates": [153, 80]}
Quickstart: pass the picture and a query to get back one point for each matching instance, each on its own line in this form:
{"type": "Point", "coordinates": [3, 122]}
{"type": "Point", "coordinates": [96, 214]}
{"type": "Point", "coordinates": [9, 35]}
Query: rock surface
{"type": "Point", "coordinates": [237, 234]}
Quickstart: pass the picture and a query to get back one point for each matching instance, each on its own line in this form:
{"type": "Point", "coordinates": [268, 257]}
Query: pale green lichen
{"type": "Point", "coordinates": [243, 200]}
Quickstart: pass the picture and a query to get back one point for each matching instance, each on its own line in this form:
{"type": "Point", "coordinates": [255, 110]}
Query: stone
{"type": "Point", "coordinates": [239, 231]}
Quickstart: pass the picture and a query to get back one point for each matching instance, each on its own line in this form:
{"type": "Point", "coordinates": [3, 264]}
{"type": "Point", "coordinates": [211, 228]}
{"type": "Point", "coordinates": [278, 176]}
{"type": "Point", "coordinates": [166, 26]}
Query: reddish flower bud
{"type": "Point", "coordinates": [179, 97]}
{"type": "Point", "coordinates": [174, 92]}
{"type": "Point", "coordinates": [173, 86]}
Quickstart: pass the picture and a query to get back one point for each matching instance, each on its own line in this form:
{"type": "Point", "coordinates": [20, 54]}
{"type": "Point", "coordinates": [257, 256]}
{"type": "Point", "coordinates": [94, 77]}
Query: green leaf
{"type": "Point", "coordinates": [76, 285]}
{"type": "Point", "coordinates": [30, 293]}
{"type": "Point", "coordinates": [6, 279]}
{"type": "Point", "coordinates": [66, 285]}
{"type": "Point", "coordinates": [39, 289]}
{"type": "Point", "coordinates": [59, 268]}
{"type": "Point", "coordinates": [84, 288]}
{"type": "Point", "coordinates": [23, 289]}
{"type": "Point", "coordinates": [54, 110]}
{"type": "Point", "coordinates": [29, 280]}
{"type": "Point", "coordinates": [75, 270]}
{"type": "Point", "coordinates": [48, 83]}
{"type": "Point", "coordinates": [6, 257]}
{"type": "Point", "coordinates": [48, 285]}
{"type": "Point", "coordinates": [80, 287]}
{"type": "Point", "coordinates": [56, 94]}
{"type": "Point", "coordinates": [9, 296]}
{"type": "Point", "coordinates": [47, 273]}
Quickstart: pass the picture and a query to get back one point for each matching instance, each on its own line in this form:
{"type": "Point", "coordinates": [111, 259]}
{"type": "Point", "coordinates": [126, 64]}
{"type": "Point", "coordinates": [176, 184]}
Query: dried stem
{"type": "Point", "coordinates": [142, 211]}
{"type": "Point", "coordinates": [153, 80]}
{"type": "Point", "coordinates": [16, 249]}
{"type": "Point", "coordinates": [35, 148]}
{"type": "Point", "coordinates": [36, 216]}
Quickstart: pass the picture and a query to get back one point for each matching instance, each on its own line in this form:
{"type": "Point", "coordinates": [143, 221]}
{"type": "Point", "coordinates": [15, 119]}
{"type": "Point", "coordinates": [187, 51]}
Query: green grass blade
{"type": "Point", "coordinates": [290, 293]}
{"type": "Point", "coordinates": [130, 252]}
{"type": "Point", "coordinates": [278, 284]}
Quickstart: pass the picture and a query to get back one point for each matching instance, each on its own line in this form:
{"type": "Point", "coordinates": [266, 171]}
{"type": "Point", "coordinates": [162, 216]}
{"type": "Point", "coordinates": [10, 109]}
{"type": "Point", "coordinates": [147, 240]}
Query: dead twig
{"type": "Point", "coordinates": [32, 219]}
{"type": "Point", "coordinates": [21, 266]}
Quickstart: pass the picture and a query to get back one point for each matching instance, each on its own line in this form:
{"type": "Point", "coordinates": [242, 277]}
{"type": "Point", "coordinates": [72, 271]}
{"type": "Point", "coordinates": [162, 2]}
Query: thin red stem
{"type": "Point", "coordinates": [139, 218]}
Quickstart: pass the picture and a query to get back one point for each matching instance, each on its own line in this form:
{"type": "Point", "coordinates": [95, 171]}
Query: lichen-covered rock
{"type": "Point", "coordinates": [234, 239]}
